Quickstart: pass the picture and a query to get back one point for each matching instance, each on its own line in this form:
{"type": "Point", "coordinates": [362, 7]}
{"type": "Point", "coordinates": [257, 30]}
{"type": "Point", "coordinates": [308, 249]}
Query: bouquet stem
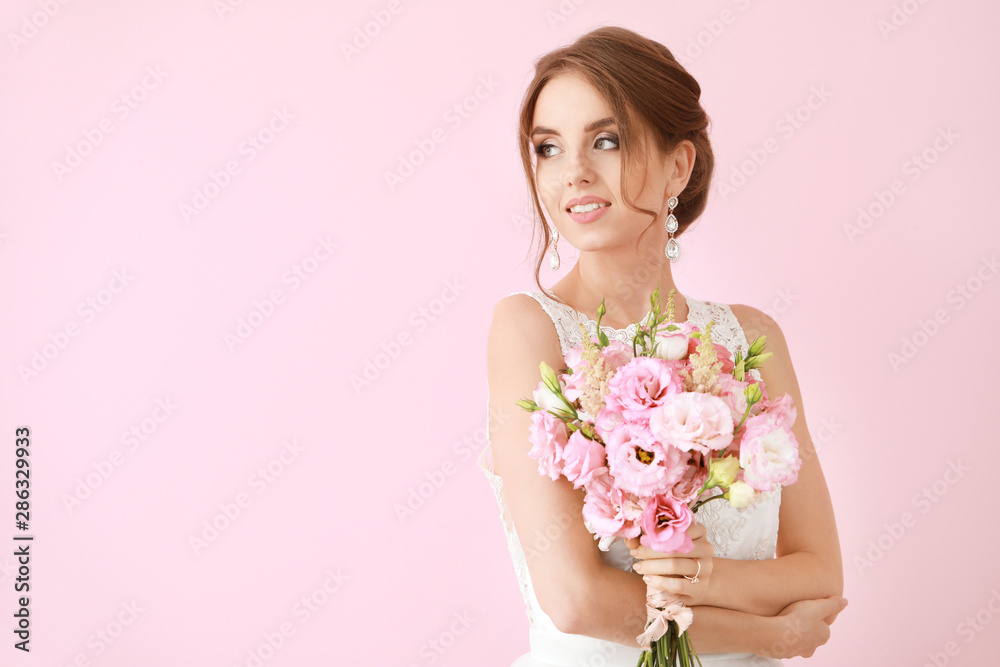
{"type": "Point", "coordinates": [673, 649]}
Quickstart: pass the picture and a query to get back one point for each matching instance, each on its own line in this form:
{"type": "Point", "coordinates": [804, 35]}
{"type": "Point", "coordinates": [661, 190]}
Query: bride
{"type": "Point", "coordinates": [614, 145]}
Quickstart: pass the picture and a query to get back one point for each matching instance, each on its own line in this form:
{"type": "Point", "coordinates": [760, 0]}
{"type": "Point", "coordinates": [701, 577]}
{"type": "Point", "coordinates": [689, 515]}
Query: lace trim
{"type": "Point", "coordinates": [485, 462]}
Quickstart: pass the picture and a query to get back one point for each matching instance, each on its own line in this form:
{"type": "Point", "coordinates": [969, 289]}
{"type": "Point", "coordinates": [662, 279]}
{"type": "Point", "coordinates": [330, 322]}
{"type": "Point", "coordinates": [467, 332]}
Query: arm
{"type": "Point", "coordinates": [578, 591]}
{"type": "Point", "coordinates": [808, 563]}
{"type": "Point", "coordinates": [798, 630]}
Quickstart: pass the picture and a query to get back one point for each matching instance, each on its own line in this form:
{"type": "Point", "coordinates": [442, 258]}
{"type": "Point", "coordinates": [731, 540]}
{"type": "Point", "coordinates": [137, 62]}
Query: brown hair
{"type": "Point", "coordinates": [640, 80]}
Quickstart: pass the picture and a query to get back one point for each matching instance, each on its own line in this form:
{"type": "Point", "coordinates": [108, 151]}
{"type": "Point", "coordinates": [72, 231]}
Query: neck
{"type": "Point", "coordinates": [625, 281]}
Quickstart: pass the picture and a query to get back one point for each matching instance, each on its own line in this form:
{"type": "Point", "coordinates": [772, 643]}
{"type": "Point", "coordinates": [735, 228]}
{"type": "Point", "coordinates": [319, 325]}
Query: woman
{"type": "Point", "coordinates": [614, 141]}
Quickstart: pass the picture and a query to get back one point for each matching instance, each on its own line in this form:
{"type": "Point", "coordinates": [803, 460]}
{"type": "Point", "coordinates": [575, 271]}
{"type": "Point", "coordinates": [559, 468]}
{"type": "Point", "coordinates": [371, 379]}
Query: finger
{"type": "Point", "coordinates": [697, 531]}
{"type": "Point", "coordinates": [842, 604]}
{"type": "Point", "coordinates": [632, 542]}
{"type": "Point", "coordinates": [676, 567]}
{"type": "Point", "coordinates": [703, 549]}
{"type": "Point", "coordinates": [674, 585]}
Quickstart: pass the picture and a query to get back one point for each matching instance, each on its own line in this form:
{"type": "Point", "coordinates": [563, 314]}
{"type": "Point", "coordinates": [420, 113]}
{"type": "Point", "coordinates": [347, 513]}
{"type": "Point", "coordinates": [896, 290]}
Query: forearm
{"type": "Point", "coordinates": [765, 587]}
{"type": "Point", "coordinates": [718, 630]}
{"type": "Point", "coordinates": [611, 606]}
{"type": "Point", "coordinates": [614, 609]}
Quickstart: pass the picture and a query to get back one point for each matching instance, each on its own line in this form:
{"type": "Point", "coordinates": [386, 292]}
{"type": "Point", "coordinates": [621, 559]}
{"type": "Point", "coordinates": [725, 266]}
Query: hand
{"type": "Point", "coordinates": [669, 572]}
{"type": "Point", "coordinates": [804, 626]}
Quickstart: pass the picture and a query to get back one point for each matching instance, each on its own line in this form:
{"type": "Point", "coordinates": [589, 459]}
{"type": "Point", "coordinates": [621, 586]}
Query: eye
{"type": "Point", "coordinates": [613, 140]}
{"type": "Point", "coordinates": [542, 150]}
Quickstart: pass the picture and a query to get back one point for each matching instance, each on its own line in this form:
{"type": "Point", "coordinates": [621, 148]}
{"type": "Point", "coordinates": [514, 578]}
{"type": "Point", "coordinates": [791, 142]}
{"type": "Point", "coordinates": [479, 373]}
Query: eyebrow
{"type": "Point", "coordinates": [596, 125]}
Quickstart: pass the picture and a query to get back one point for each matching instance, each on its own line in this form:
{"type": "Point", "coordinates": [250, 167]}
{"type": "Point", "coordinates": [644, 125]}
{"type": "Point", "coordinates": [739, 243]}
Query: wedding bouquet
{"type": "Point", "coordinates": [647, 429]}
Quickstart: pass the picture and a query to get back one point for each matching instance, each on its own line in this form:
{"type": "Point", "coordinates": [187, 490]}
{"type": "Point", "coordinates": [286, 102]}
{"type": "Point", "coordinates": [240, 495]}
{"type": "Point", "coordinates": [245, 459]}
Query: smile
{"type": "Point", "coordinates": [587, 208]}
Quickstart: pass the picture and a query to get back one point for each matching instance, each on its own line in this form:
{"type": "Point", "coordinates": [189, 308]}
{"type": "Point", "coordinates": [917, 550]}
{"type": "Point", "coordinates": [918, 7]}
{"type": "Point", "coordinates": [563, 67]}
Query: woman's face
{"type": "Point", "coordinates": [576, 142]}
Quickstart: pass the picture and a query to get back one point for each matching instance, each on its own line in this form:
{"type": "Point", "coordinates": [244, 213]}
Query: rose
{"type": "Point", "coordinates": [584, 459]}
{"type": "Point", "coordinates": [664, 525]}
{"type": "Point", "coordinates": [643, 384]}
{"type": "Point", "coordinates": [673, 341]}
{"type": "Point", "coordinates": [548, 438]}
{"type": "Point", "coordinates": [640, 464]}
{"type": "Point", "coordinates": [769, 451]}
{"type": "Point", "coordinates": [693, 421]}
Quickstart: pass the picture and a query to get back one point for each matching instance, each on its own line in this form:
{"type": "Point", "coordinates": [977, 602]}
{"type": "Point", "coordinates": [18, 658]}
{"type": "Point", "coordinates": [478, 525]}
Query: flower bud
{"type": "Point", "coordinates": [530, 406]}
{"type": "Point", "coordinates": [722, 472]}
{"type": "Point", "coordinates": [739, 494]}
{"type": "Point", "coordinates": [757, 346]}
{"type": "Point", "coordinates": [549, 377]}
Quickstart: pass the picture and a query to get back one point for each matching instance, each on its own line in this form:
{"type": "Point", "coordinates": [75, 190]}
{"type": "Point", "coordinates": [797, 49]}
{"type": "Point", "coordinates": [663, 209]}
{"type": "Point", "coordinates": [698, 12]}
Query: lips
{"type": "Point", "coordinates": [589, 199]}
{"type": "Point", "coordinates": [596, 208]}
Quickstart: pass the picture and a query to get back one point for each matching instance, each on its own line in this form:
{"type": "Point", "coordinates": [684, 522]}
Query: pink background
{"type": "Point", "coordinates": [407, 279]}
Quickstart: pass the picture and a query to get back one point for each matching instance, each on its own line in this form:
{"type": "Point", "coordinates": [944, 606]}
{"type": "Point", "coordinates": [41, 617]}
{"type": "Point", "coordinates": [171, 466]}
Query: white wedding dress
{"type": "Point", "coordinates": [750, 533]}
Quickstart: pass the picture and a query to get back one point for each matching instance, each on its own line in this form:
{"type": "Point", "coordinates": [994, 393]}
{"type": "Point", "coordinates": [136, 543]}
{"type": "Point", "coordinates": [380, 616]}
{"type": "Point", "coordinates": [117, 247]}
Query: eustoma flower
{"type": "Point", "coordinates": [585, 459]}
{"type": "Point", "coordinates": [548, 437]}
{"type": "Point", "coordinates": [769, 451]}
{"type": "Point", "coordinates": [664, 525]}
{"type": "Point", "coordinates": [640, 464]}
{"type": "Point", "coordinates": [693, 421]}
{"type": "Point", "coordinates": [643, 384]}
{"type": "Point", "coordinates": [611, 512]}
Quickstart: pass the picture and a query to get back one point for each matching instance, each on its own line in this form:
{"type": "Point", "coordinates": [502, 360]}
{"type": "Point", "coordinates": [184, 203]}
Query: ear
{"type": "Point", "coordinates": [680, 166]}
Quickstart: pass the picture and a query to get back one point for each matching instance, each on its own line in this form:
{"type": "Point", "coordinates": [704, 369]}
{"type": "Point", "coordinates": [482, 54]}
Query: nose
{"type": "Point", "coordinates": [578, 170]}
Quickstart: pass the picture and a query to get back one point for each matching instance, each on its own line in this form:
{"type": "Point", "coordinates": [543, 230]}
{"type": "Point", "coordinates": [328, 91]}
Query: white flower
{"type": "Point", "coordinates": [547, 399]}
{"type": "Point", "coordinates": [671, 345]}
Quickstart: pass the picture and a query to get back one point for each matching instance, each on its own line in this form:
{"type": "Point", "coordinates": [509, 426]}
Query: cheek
{"type": "Point", "coordinates": [548, 193]}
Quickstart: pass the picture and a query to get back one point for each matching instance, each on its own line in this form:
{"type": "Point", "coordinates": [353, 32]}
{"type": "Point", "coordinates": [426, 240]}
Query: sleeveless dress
{"type": "Point", "coordinates": [750, 533]}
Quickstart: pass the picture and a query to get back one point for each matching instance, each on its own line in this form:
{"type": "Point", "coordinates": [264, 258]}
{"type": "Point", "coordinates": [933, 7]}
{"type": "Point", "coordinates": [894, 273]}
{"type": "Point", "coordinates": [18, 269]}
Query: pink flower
{"type": "Point", "coordinates": [780, 409]}
{"type": "Point", "coordinates": [610, 512]}
{"type": "Point", "coordinates": [607, 420]}
{"type": "Point", "coordinates": [769, 451]}
{"type": "Point", "coordinates": [733, 396]}
{"type": "Point", "coordinates": [696, 471]}
{"type": "Point", "coordinates": [548, 438]}
{"type": "Point", "coordinates": [584, 459]}
{"type": "Point", "coordinates": [693, 421]}
{"type": "Point", "coordinates": [643, 384]}
{"type": "Point", "coordinates": [665, 522]}
{"type": "Point", "coordinates": [721, 352]}
{"type": "Point", "coordinates": [577, 380]}
{"type": "Point", "coordinates": [640, 464]}
{"type": "Point", "coordinates": [615, 355]}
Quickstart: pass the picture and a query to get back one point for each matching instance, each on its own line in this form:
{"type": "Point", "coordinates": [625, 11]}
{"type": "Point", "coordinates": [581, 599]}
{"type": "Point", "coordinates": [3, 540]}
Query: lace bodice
{"type": "Point", "coordinates": [750, 533]}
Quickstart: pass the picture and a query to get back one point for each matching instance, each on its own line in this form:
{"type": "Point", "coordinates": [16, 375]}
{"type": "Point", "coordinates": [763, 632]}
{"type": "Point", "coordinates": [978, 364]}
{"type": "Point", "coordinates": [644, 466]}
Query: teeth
{"type": "Point", "coordinates": [584, 208]}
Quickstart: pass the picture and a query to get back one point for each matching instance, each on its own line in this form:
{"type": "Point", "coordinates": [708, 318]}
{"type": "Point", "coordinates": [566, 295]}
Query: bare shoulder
{"type": "Point", "coordinates": [521, 328]}
{"type": "Point", "coordinates": [756, 322]}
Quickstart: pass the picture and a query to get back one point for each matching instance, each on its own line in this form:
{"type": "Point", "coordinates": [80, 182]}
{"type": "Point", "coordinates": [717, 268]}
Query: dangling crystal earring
{"type": "Point", "coordinates": [554, 257]}
{"type": "Point", "coordinates": [672, 249]}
